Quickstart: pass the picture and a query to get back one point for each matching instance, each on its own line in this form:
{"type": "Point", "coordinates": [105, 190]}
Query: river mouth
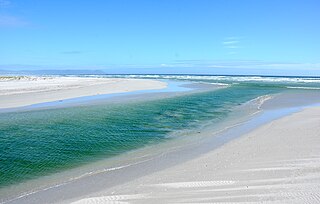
{"type": "Point", "coordinates": [187, 129]}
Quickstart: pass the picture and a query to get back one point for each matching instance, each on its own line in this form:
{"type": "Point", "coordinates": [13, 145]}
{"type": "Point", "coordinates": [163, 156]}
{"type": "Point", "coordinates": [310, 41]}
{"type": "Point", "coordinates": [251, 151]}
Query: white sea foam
{"type": "Point", "coordinates": [259, 101]}
{"type": "Point", "coordinates": [299, 87]}
{"type": "Point", "coordinates": [262, 99]}
{"type": "Point", "coordinates": [227, 78]}
{"type": "Point", "coordinates": [215, 83]}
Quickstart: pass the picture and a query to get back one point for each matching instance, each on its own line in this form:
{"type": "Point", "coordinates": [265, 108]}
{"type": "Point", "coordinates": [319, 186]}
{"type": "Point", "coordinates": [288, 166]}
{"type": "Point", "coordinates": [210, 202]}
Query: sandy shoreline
{"type": "Point", "coordinates": [25, 91]}
{"type": "Point", "coordinates": [277, 163]}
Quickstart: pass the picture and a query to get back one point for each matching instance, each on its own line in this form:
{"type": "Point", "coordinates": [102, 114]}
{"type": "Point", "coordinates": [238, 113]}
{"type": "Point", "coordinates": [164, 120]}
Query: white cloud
{"type": "Point", "coordinates": [250, 64]}
{"type": "Point", "coordinates": [4, 3]}
{"type": "Point", "coordinates": [231, 44]}
{"type": "Point", "coordinates": [11, 21]}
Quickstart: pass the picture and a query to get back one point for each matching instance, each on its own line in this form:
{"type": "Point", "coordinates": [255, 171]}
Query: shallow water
{"type": "Point", "coordinates": [40, 142]}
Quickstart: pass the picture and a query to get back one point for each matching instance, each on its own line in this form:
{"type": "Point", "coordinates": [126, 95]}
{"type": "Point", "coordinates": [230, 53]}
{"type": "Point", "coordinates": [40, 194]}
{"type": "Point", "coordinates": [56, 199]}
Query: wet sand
{"type": "Point", "coordinates": [277, 163]}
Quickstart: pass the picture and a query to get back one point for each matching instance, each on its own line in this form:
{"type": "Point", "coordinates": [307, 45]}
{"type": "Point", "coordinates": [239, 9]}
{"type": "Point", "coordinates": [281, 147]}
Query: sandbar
{"type": "Point", "coordinates": [24, 91]}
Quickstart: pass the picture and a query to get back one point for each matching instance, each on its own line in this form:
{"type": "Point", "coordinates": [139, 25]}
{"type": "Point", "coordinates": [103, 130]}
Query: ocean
{"type": "Point", "coordinates": [40, 142]}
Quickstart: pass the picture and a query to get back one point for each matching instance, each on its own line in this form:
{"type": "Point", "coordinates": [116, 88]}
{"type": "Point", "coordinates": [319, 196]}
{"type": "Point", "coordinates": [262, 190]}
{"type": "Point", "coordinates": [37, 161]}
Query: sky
{"type": "Point", "coordinates": [274, 37]}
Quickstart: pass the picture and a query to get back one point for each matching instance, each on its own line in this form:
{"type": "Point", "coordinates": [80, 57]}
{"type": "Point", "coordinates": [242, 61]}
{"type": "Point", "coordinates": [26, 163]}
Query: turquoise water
{"type": "Point", "coordinates": [40, 142]}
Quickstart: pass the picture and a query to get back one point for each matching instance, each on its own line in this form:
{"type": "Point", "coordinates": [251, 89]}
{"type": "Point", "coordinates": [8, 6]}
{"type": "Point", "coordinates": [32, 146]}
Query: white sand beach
{"type": "Point", "coordinates": [276, 163]}
{"type": "Point", "coordinates": [23, 91]}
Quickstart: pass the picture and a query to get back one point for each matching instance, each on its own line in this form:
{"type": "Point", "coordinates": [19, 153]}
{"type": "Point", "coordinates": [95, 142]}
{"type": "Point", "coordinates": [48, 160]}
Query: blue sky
{"type": "Point", "coordinates": [176, 36]}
